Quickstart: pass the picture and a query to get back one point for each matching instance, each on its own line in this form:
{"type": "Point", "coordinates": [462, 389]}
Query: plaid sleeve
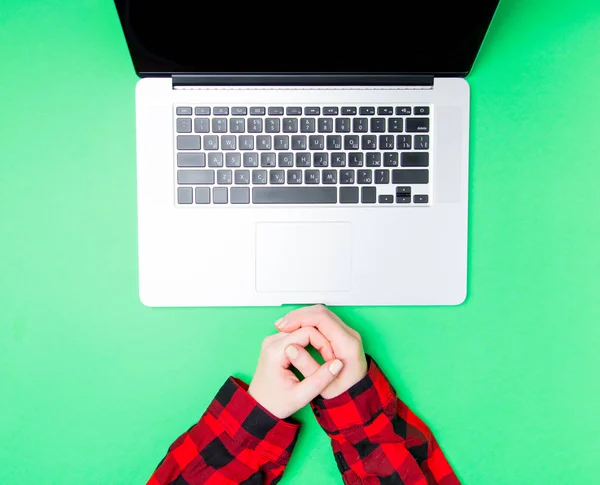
{"type": "Point", "coordinates": [236, 441]}
{"type": "Point", "coordinates": [377, 439]}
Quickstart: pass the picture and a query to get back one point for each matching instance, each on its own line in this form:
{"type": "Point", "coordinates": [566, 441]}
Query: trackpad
{"type": "Point", "coordinates": [303, 256]}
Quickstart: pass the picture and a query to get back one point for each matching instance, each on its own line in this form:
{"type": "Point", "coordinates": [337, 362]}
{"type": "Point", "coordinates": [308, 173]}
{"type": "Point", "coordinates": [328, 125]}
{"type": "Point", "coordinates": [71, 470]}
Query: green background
{"type": "Point", "coordinates": [94, 386]}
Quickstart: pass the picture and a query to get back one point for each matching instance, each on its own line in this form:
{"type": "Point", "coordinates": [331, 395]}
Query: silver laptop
{"type": "Point", "coordinates": [296, 155]}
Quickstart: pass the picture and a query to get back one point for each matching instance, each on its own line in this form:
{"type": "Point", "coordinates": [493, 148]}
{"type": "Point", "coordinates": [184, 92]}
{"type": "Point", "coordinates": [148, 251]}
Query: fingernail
{"type": "Point", "coordinates": [335, 367]}
{"type": "Point", "coordinates": [291, 351]}
{"type": "Point", "coordinates": [280, 323]}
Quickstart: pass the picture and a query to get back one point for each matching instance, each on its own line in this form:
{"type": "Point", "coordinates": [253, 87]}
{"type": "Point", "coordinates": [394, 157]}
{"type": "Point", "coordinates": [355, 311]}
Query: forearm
{"type": "Point", "coordinates": [235, 440]}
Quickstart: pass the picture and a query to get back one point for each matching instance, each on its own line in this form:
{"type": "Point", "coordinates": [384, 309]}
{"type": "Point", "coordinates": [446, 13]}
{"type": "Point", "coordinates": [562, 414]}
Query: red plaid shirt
{"type": "Point", "coordinates": [376, 439]}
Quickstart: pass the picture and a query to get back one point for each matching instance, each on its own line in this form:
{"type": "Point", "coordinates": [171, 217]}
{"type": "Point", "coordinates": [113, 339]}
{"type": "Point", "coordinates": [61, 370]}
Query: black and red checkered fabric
{"type": "Point", "coordinates": [376, 439]}
{"type": "Point", "coordinates": [236, 441]}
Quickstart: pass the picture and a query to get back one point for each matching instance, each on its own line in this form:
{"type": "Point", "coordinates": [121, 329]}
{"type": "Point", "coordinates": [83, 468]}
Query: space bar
{"type": "Point", "coordinates": [294, 195]}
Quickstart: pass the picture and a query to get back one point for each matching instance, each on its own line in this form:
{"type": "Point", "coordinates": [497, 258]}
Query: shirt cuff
{"type": "Point", "coordinates": [359, 406]}
{"type": "Point", "coordinates": [251, 425]}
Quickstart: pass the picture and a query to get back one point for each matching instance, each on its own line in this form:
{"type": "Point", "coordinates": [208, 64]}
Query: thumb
{"type": "Point", "coordinates": [312, 386]}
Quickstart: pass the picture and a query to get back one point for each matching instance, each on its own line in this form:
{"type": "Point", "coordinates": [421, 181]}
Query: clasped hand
{"type": "Point", "coordinates": [274, 385]}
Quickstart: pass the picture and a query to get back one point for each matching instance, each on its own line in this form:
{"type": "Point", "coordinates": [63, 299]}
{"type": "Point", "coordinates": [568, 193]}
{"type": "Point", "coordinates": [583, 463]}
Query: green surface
{"type": "Point", "coordinates": [95, 386]}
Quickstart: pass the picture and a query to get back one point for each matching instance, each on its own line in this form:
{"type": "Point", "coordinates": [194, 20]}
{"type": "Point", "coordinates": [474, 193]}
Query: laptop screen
{"type": "Point", "coordinates": [416, 37]}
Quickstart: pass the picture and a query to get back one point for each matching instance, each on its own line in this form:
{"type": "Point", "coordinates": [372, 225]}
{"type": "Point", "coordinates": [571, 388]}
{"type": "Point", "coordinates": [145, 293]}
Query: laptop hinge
{"type": "Point", "coordinates": [190, 81]}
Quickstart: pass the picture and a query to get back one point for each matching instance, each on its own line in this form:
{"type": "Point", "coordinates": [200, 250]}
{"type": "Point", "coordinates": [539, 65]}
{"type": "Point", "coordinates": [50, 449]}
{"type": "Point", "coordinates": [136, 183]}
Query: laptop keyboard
{"type": "Point", "coordinates": [361, 155]}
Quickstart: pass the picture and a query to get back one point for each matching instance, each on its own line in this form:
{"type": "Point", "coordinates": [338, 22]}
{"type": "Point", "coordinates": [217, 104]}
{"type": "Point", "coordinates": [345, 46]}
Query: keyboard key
{"type": "Point", "coordinates": [277, 177]}
{"type": "Point", "coordinates": [299, 142]}
{"type": "Point", "coordinates": [330, 111]}
{"type": "Point", "coordinates": [325, 125]}
{"type": "Point", "coordinates": [237, 125]}
{"type": "Point", "coordinates": [294, 177]}
{"type": "Point", "coordinates": [215, 159]}
{"type": "Point", "coordinates": [369, 142]}
{"type": "Point", "coordinates": [390, 159]}
{"type": "Point", "coordinates": [250, 160]}
{"type": "Point", "coordinates": [416, 125]}
{"type": "Point", "coordinates": [421, 142]}
{"type": "Point", "coordinates": [221, 111]}
{"type": "Point", "coordinates": [307, 125]}
{"type": "Point", "coordinates": [255, 125]}
{"type": "Point", "coordinates": [321, 160]}
{"type": "Point", "coordinates": [386, 199]}
{"type": "Point", "coordinates": [312, 110]}
{"type": "Point", "coordinates": [403, 110]}
{"type": "Point", "coordinates": [420, 199]}
{"type": "Point", "coordinates": [233, 160]}
{"type": "Point", "coordinates": [293, 111]}
{"type": "Point", "coordinates": [403, 191]}
{"type": "Point", "coordinates": [201, 125]}
{"type": "Point", "coordinates": [349, 110]}
{"type": "Point", "coordinates": [338, 160]}
{"type": "Point", "coordinates": [211, 142]}
{"type": "Point", "coordinates": [184, 125]}
{"type": "Point", "coordinates": [402, 200]}
{"type": "Point", "coordinates": [365, 177]}
{"type": "Point", "coordinates": [246, 142]}
{"type": "Point", "coordinates": [374, 159]}
{"type": "Point", "coordinates": [368, 195]}
{"type": "Point", "coordinates": [188, 142]}
{"type": "Point", "coordinates": [219, 193]}
{"type": "Point", "coordinates": [410, 176]}
{"type": "Point", "coordinates": [355, 160]}
{"type": "Point", "coordinates": [281, 142]}
{"type": "Point", "coordinates": [202, 195]}
{"type": "Point", "coordinates": [316, 142]}
{"type": "Point", "coordinates": [285, 160]}
{"type": "Point", "coordinates": [382, 176]}
{"type": "Point", "coordinates": [360, 125]}
{"type": "Point", "coordinates": [268, 160]}
{"type": "Point", "coordinates": [395, 125]}
{"type": "Point", "coordinates": [421, 110]}
{"type": "Point", "coordinates": [272, 125]}
{"type": "Point", "coordinates": [259, 177]}
{"type": "Point", "coordinates": [191, 160]}
{"type": "Point", "coordinates": [348, 195]}
{"type": "Point", "coordinates": [351, 142]}
{"type": "Point", "coordinates": [294, 195]}
{"type": "Point", "coordinates": [195, 177]}
{"type": "Point", "coordinates": [404, 142]}
{"type": "Point", "coordinates": [386, 142]}
{"type": "Point", "coordinates": [263, 142]}
{"type": "Point", "coordinates": [257, 111]}
{"type": "Point", "coordinates": [312, 177]}
{"type": "Point", "coordinates": [303, 160]}
{"type": "Point", "coordinates": [342, 125]}
{"type": "Point", "coordinates": [240, 195]}
{"type": "Point", "coordinates": [377, 125]}
{"type": "Point", "coordinates": [385, 110]}
{"type": "Point", "coordinates": [224, 177]}
{"type": "Point", "coordinates": [275, 111]}
{"type": "Point", "coordinates": [202, 111]}
{"type": "Point", "coordinates": [290, 125]}
{"type": "Point", "coordinates": [330, 177]}
{"type": "Point", "coordinates": [183, 111]}
{"type": "Point", "coordinates": [219, 125]}
{"type": "Point", "coordinates": [185, 195]}
{"type": "Point", "coordinates": [334, 142]}
{"type": "Point", "coordinates": [415, 159]}
{"type": "Point", "coordinates": [239, 111]}
{"type": "Point", "coordinates": [242, 177]}
{"type": "Point", "coordinates": [367, 110]}
{"type": "Point", "coordinates": [228, 142]}
{"type": "Point", "coordinates": [347, 177]}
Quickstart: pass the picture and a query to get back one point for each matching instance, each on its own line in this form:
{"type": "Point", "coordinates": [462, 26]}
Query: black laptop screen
{"type": "Point", "coordinates": [177, 36]}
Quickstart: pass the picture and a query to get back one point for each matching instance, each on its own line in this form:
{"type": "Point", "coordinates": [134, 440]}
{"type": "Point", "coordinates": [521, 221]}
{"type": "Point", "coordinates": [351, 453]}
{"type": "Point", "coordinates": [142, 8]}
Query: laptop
{"type": "Point", "coordinates": [298, 154]}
